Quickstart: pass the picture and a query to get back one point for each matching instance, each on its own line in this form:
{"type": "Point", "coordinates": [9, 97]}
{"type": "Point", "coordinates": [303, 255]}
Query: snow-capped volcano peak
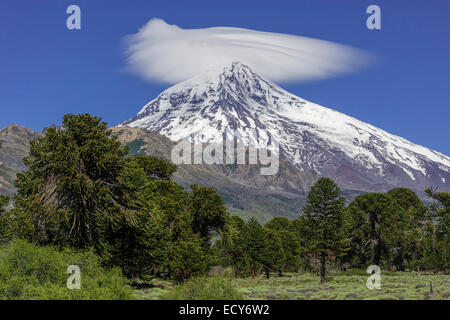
{"type": "Point", "coordinates": [234, 97]}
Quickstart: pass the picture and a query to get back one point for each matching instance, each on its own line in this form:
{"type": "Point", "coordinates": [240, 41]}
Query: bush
{"type": "Point", "coordinates": [31, 272]}
{"type": "Point", "coordinates": [354, 272]}
{"type": "Point", "coordinates": [217, 288]}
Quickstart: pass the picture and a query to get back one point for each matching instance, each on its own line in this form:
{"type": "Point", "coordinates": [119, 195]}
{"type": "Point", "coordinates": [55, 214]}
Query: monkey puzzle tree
{"type": "Point", "coordinates": [233, 244]}
{"type": "Point", "coordinates": [437, 250]}
{"type": "Point", "coordinates": [324, 218]}
{"type": "Point", "coordinates": [255, 246]}
{"type": "Point", "coordinates": [208, 210]}
{"type": "Point", "coordinates": [285, 229]}
{"type": "Point", "coordinates": [274, 256]}
{"type": "Point", "coordinates": [72, 184]}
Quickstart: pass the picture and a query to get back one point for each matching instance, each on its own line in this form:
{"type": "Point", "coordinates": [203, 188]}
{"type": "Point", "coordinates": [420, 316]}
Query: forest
{"type": "Point", "coordinates": [122, 219]}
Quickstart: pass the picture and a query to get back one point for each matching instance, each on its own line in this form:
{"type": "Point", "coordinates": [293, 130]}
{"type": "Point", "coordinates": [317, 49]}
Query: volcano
{"type": "Point", "coordinates": [355, 154]}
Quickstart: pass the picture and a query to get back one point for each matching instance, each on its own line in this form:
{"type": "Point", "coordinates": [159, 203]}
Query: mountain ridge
{"type": "Point", "coordinates": [356, 154]}
{"type": "Point", "coordinates": [244, 191]}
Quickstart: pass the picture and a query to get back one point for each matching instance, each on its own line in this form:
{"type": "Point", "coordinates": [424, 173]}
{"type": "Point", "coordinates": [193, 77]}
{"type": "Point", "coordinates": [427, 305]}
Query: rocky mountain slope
{"type": "Point", "coordinates": [245, 191]}
{"type": "Point", "coordinates": [14, 145]}
{"type": "Point", "coordinates": [311, 137]}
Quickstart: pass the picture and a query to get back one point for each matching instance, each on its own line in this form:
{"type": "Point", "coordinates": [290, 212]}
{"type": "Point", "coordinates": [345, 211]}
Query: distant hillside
{"type": "Point", "coordinates": [14, 145]}
{"type": "Point", "coordinates": [245, 192]}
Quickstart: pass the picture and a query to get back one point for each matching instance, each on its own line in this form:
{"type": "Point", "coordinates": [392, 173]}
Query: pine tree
{"type": "Point", "coordinates": [324, 215]}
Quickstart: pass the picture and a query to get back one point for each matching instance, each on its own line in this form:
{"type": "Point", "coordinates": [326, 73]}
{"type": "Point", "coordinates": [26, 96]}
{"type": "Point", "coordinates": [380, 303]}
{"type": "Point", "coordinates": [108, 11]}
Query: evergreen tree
{"type": "Point", "coordinates": [209, 212]}
{"type": "Point", "coordinates": [233, 244]}
{"type": "Point", "coordinates": [139, 246]}
{"type": "Point", "coordinates": [379, 231]}
{"type": "Point", "coordinates": [154, 167]}
{"type": "Point", "coordinates": [71, 186]}
{"type": "Point", "coordinates": [437, 253]}
{"type": "Point", "coordinates": [304, 235]}
{"type": "Point", "coordinates": [285, 230]}
{"type": "Point", "coordinates": [4, 200]}
{"type": "Point", "coordinates": [324, 215]}
{"type": "Point", "coordinates": [5, 228]}
{"type": "Point", "coordinates": [81, 190]}
{"type": "Point", "coordinates": [416, 219]}
{"type": "Point", "coordinates": [291, 249]}
{"type": "Point", "coordinates": [255, 245]}
{"type": "Point", "coordinates": [274, 256]}
{"type": "Point", "coordinates": [279, 223]}
{"type": "Point", "coordinates": [186, 257]}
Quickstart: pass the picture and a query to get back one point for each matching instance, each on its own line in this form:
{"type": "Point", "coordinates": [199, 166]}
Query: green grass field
{"type": "Point", "coordinates": [394, 286]}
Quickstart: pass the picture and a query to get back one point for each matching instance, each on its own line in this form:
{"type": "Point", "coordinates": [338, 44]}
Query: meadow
{"type": "Point", "coordinates": [340, 286]}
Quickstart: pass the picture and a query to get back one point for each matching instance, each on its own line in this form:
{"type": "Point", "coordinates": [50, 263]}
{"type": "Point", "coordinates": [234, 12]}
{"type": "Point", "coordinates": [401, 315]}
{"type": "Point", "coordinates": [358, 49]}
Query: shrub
{"type": "Point", "coordinates": [31, 272]}
{"type": "Point", "coordinates": [354, 272]}
{"type": "Point", "coordinates": [217, 288]}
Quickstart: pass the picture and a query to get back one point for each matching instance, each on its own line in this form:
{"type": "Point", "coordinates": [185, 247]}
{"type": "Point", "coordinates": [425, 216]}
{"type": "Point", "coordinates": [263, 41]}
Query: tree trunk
{"type": "Point", "coordinates": [267, 274]}
{"type": "Point", "coordinates": [279, 273]}
{"type": "Point", "coordinates": [322, 267]}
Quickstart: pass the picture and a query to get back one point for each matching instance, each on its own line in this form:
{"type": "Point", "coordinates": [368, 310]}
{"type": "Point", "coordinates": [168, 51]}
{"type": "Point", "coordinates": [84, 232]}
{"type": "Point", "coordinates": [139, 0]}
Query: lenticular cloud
{"type": "Point", "coordinates": [168, 53]}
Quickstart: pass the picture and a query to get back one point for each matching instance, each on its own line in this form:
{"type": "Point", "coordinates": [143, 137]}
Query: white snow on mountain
{"type": "Point", "coordinates": [311, 136]}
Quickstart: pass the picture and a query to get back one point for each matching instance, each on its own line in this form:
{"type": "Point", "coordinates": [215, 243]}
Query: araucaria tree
{"type": "Point", "coordinates": [325, 222]}
{"type": "Point", "coordinates": [72, 184]}
{"type": "Point", "coordinates": [82, 190]}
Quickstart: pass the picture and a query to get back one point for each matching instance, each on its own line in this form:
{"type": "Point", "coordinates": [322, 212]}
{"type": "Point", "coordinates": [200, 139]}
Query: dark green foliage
{"type": "Point", "coordinates": [5, 227]}
{"type": "Point", "coordinates": [138, 241]}
{"type": "Point", "coordinates": [31, 272]}
{"type": "Point", "coordinates": [380, 230]}
{"type": "Point", "coordinates": [255, 246]}
{"type": "Point", "coordinates": [274, 256]}
{"type": "Point", "coordinates": [406, 198]}
{"type": "Point", "coordinates": [302, 232]}
{"type": "Point", "coordinates": [325, 222]}
{"type": "Point", "coordinates": [233, 245]}
{"type": "Point", "coordinates": [187, 257]}
{"type": "Point", "coordinates": [4, 200]}
{"type": "Point", "coordinates": [154, 167]}
{"type": "Point", "coordinates": [435, 245]}
{"type": "Point", "coordinates": [410, 202]}
{"type": "Point", "coordinates": [209, 212]}
{"type": "Point", "coordinates": [291, 250]}
{"type": "Point", "coordinates": [82, 190]}
{"type": "Point", "coordinates": [279, 223]}
{"type": "Point", "coordinates": [286, 231]}
{"type": "Point", "coordinates": [71, 186]}
{"type": "Point", "coordinates": [164, 237]}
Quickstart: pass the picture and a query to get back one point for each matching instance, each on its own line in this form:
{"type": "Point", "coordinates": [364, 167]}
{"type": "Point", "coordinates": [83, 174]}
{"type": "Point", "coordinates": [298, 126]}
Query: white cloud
{"type": "Point", "coordinates": [168, 53]}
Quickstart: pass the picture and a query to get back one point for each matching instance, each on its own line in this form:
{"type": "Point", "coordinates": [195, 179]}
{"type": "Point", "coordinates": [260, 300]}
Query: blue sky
{"type": "Point", "coordinates": [47, 70]}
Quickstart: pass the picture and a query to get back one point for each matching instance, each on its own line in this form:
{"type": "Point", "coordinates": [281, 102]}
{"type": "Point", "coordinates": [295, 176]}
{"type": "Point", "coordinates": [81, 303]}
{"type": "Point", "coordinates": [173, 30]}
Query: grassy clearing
{"type": "Point", "coordinates": [394, 286]}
